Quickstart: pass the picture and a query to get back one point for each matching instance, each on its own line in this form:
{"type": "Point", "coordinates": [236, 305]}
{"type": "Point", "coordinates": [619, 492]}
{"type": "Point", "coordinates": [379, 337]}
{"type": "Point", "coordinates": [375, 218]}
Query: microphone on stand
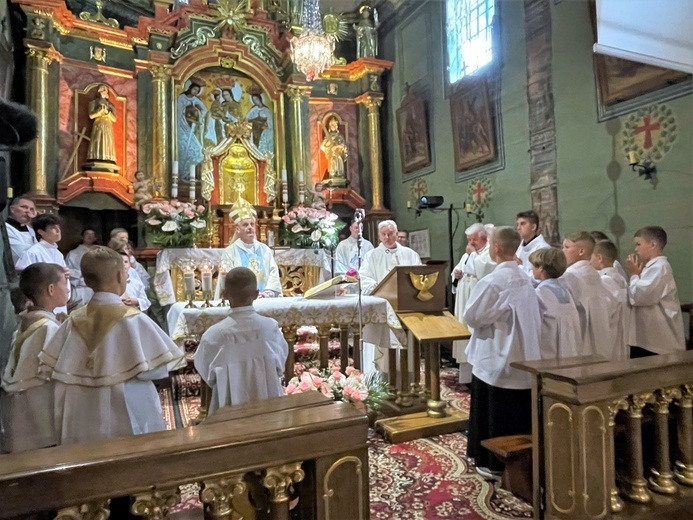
{"type": "Point", "coordinates": [359, 215]}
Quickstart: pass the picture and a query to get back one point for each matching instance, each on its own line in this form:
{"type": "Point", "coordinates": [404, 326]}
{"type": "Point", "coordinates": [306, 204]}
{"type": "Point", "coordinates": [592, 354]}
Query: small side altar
{"type": "Point", "coordinates": [299, 269]}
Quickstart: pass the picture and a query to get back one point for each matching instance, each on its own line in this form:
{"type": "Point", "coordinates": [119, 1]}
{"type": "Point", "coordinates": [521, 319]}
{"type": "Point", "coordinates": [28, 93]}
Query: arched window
{"type": "Point", "coordinates": [469, 36]}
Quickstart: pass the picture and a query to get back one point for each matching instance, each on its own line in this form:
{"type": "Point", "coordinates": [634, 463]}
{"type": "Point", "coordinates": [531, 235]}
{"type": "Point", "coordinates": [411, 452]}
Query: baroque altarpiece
{"type": "Point", "coordinates": [206, 90]}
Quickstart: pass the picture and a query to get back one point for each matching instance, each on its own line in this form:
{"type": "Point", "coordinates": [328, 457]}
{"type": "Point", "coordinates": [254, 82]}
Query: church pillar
{"type": "Point", "coordinates": [372, 103]}
{"type": "Point", "coordinates": [298, 96]}
{"type": "Point", "coordinates": [39, 58]}
{"type": "Point", "coordinates": [161, 77]}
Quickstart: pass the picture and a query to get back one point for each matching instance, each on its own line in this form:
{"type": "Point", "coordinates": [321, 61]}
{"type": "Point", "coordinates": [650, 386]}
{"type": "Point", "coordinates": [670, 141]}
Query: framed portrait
{"type": "Point", "coordinates": [412, 129]}
{"type": "Point", "coordinates": [420, 241]}
{"type": "Point", "coordinates": [474, 139]}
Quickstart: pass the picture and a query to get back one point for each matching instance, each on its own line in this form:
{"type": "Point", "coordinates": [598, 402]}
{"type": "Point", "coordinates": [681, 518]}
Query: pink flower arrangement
{"type": "Point", "coordinates": [172, 223]}
{"type": "Point", "coordinates": [310, 228]}
{"type": "Point", "coordinates": [349, 387]}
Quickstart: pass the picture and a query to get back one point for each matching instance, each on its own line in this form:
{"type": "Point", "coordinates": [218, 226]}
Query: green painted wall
{"type": "Point", "coordinates": [587, 198]}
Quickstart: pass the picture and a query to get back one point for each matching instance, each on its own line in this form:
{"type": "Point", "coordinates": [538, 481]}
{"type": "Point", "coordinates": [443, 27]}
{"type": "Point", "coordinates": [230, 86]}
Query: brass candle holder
{"type": "Point", "coordinates": [188, 269]}
{"type": "Point", "coordinates": [206, 270]}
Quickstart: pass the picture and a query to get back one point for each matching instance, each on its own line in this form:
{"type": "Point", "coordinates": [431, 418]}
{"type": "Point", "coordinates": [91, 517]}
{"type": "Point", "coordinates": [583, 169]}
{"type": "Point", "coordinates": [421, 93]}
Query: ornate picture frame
{"type": "Point", "coordinates": [474, 138]}
{"type": "Point", "coordinates": [412, 131]}
{"type": "Point", "coordinates": [420, 241]}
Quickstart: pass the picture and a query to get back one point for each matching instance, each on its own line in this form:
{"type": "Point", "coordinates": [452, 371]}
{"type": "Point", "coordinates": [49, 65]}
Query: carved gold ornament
{"type": "Point", "coordinates": [423, 284]}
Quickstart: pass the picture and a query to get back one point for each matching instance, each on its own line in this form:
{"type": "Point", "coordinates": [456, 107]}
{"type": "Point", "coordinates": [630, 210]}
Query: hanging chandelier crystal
{"type": "Point", "coordinates": [312, 51]}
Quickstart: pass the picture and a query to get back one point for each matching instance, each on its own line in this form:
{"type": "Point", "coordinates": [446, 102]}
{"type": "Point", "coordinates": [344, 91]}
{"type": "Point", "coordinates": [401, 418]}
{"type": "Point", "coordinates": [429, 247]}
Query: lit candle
{"type": "Point", "coordinates": [468, 207]}
{"type": "Point", "coordinates": [207, 281]}
{"type": "Point", "coordinates": [192, 182]}
{"type": "Point", "coordinates": [300, 176]}
{"type": "Point", "coordinates": [632, 158]}
{"type": "Point", "coordinates": [284, 177]}
{"type": "Point", "coordinates": [189, 282]}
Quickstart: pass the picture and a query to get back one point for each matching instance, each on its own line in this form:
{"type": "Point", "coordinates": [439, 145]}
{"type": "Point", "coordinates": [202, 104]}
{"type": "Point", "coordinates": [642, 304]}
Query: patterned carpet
{"type": "Point", "coordinates": [418, 480]}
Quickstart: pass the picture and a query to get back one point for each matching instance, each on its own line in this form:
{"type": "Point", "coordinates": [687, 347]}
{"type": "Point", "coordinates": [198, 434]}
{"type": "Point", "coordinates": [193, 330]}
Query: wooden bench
{"type": "Point", "coordinates": [516, 453]}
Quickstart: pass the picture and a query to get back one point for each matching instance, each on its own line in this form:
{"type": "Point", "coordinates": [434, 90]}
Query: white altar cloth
{"type": "Point", "coordinates": [379, 319]}
{"type": "Point", "coordinates": [169, 258]}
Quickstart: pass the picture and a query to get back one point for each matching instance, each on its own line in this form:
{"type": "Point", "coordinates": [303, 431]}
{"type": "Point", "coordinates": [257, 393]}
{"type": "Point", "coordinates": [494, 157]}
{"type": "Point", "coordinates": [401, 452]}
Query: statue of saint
{"type": "Point", "coordinates": [103, 114]}
{"type": "Point", "coordinates": [335, 149]}
{"type": "Point", "coordinates": [143, 189]}
{"type": "Point", "coordinates": [367, 33]}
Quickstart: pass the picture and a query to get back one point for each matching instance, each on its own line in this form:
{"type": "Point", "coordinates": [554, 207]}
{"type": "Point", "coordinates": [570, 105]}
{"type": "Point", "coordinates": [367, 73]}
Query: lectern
{"type": "Point", "coordinates": [417, 293]}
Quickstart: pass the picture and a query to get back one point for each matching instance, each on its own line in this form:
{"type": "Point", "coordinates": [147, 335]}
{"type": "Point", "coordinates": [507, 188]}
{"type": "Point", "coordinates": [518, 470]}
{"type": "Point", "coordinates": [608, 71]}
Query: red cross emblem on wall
{"type": "Point", "coordinates": [478, 191]}
{"type": "Point", "coordinates": [419, 190]}
{"type": "Point", "coordinates": [647, 128]}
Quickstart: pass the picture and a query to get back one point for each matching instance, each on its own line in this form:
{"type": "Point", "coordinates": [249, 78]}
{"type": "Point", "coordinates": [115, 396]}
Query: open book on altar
{"type": "Point", "coordinates": [327, 289]}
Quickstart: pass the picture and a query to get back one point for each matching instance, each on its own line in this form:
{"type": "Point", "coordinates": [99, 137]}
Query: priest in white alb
{"type": "Point", "coordinates": [375, 267]}
{"type": "Point", "coordinates": [346, 255]}
{"type": "Point", "coordinates": [247, 251]}
{"type": "Point", "coordinates": [468, 273]}
{"type": "Point", "coordinates": [104, 358]}
{"type": "Point", "coordinates": [18, 225]}
{"type": "Point", "coordinates": [73, 259]}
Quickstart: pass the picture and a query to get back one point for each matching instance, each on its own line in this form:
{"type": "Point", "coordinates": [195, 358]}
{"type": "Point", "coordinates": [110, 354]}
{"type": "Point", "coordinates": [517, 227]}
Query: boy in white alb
{"type": "Point", "coordinates": [527, 226]}
{"type": "Point", "coordinates": [596, 307]}
{"type": "Point", "coordinates": [26, 398]}
{"type": "Point", "coordinates": [73, 259]}
{"type": "Point", "coordinates": [603, 259]}
{"type": "Point", "coordinates": [656, 325]}
{"type": "Point", "coordinates": [134, 295]}
{"type": "Point", "coordinates": [504, 311]}
{"type": "Point", "coordinates": [560, 322]}
{"type": "Point", "coordinates": [242, 357]}
{"type": "Point", "coordinates": [104, 358]}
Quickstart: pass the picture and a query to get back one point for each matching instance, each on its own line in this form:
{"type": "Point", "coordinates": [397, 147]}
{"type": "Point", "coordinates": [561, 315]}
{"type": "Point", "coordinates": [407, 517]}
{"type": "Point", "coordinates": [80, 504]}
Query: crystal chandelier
{"type": "Point", "coordinates": [312, 51]}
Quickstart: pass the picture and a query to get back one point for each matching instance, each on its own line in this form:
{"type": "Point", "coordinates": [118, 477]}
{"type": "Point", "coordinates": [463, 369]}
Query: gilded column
{"type": "Point", "coordinates": [299, 131]}
{"type": "Point", "coordinates": [372, 102]}
{"type": "Point", "coordinates": [161, 75]}
{"type": "Point", "coordinates": [39, 58]}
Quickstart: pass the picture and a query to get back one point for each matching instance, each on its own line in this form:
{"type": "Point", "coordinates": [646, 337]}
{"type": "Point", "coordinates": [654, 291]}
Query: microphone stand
{"type": "Point", "coordinates": [359, 215]}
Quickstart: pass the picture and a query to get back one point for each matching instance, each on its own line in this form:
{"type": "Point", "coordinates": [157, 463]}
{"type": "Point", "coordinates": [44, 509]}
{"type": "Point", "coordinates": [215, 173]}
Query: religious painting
{"type": "Point", "coordinates": [211, 99]}
{"type": "Point", "coordinates": [412, 129]}
{"type": "Point", "coordinates": [420, 241]}
{"type": "Point", "coordinates": [474, 140]}
{"type": "Point", "coordinates": [620, 80]}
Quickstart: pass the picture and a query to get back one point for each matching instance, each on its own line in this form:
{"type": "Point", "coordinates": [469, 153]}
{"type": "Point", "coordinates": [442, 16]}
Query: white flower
{"type": "Point", "coordinates": [315, 235]}
{"type": "Point", "coordinates": [169, 226]}
{"type": "Point", "coordinates": [199, 224]}
{"type": "Point", "coordinates": [297, 228]}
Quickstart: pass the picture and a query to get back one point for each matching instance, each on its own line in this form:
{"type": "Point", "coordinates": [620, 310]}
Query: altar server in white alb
{"type": "Point", "coordinates": [561, 336]}
{"type": "Point", "coordinates": [26, 399]}
{"type": "Point", "coordinates": [134, 295]}
{"type": "Point", "coordinates": [468, 273]}
{"type": "Point", "coordinates": [504, 311]}
{"type": "Point", "coordinates": [596, 307]}
{"type": "Point", "coordinates": [21, 211]}
{"type": "Point", "coordinates": [73, 259]}
{"type": "Point", "coordinates": [47, 228]}
{"type": "Point", "coordinates": [247, 251]}
{"type": "Point", "coordinates": [381, 260]}
{"type": "Point", "coordinates": [104, 358]}
{"type": "Point", "coordinates": [527, 226]}
{"type": "Point", "coordinates": [600, 235]}
{"type": "Point", "coordinates": [242, 357]}
{"type": "Point", "coordinates": [346, 255]}
{"type": "Point", "coordinates": [656, 325]}
{"type": "Point", "coordinates": [604, 261]}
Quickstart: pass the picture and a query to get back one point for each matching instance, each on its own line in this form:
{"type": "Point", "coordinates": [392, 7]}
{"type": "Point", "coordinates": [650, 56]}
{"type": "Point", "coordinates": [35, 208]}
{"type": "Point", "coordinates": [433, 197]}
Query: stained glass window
{"type": "Point", "coordinates": [469, 36]}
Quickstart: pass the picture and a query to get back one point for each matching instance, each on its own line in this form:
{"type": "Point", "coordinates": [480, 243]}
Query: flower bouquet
{"type": "Point", "coordinates": [174, 223]}
{"type": "Point", "coordinates": [306, 228]}
{"type": "Point", "coordinates": [352, 386]}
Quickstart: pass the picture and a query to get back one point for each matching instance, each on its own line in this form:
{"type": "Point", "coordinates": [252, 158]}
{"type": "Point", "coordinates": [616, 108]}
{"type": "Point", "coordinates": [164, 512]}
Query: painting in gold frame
{"type": "Point", "coordinates": [474, 139]}
{"type": "Point", "coordinates": [412, 129]}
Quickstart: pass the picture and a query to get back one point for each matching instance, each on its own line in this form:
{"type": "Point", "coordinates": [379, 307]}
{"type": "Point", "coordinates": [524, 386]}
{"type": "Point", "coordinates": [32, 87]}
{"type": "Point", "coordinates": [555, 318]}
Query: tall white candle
{"type": "Point", "coordinates": [300, 176]}
{"type": "Point", "coordinates": [175, 168]}
{"type": "Point", "coordinates": [206, 281]}
{"type": "Point", "coordinates": [285, 196]}
{"type": "Point", "coordinates": [192, 182]}
{"type": "Point", "coordinates": [189, 282]}
{"type": "Point", "coordinates": [284, 177]}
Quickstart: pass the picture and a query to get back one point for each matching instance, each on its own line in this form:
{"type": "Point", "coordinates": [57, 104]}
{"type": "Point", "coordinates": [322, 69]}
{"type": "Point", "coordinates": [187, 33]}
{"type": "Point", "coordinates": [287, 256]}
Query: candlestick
{"type": "Point", "coordinates": [632, 158]}
{"type": "Point", "coordinates": [192, 182]}
{"type": "Point", "coordinates": [175, 168]}
{"type": "Point", "coordinates": [189, 284]}
{"type": "Point", "coordinates": [222, 283]}
{"type": "Point", "coordinates": [408, 204]}
{"type": "Point", "coordinates": [300, 176]}
{"type": "Point", "coordinates": [284, 177]}
{"type": "Point", "coordinates": [468, 207]}
{"type": "Point", "coordinates": [207, 281]}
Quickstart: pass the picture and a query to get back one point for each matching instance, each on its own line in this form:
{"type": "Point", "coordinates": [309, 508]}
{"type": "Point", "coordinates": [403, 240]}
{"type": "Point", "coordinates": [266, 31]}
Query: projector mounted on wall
{"type": "Point", "coordinates": [429, 202]}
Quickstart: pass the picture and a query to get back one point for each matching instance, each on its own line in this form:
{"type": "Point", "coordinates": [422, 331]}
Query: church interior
{"type": "Point", "coordinates": [177, 121]}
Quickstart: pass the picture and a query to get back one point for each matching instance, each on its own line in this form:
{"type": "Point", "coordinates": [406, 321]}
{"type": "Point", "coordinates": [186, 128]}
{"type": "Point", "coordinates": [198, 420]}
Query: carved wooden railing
{"type": "Point", "coordinates": [583, 412]}
{"type": "Point", "coordinates": [246, 459]}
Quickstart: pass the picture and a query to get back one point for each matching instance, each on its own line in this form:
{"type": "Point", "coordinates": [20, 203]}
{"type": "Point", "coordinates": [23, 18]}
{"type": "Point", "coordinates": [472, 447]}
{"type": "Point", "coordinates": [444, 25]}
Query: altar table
{"type": "Point", "coordinates": [379, 320]}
